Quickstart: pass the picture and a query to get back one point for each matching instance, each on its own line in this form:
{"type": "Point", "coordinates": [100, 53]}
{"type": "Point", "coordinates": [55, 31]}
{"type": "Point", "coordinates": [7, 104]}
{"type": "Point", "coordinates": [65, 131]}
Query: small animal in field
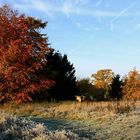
{"type": "Point", "coordinates": [80, 98]}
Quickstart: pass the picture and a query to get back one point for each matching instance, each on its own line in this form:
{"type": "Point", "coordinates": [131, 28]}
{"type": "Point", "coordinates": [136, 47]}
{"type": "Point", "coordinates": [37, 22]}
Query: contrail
{"type": "Point", "coordinates": [121, 13]}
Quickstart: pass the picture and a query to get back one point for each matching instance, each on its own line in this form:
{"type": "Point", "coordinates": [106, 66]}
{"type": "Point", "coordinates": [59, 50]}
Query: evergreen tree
{"type": "Point", "coordinates": [83, 86]}
{"type": "Point", "coordinates": [63, 73]}
{"type": "Point", "coordinates": [116, 88]}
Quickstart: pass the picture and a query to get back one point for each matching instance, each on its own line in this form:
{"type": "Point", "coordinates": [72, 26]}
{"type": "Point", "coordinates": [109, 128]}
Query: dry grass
{"type": "Point", "coordinates": [71, 110]}
{"type": "Point", "coordinates": [94, 120]}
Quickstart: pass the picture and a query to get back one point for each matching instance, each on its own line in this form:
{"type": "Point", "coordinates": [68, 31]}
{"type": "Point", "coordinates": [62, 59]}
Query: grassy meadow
{"type": "Point", "coordinates": [71, 120]}
{"type": "Point", "coordinates": [94, 34]}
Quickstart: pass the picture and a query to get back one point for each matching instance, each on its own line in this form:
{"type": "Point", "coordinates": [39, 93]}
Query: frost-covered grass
{"type": "Point", "coordinates": [124, 126]}
{"type": "Point", "coordinates": [71, 120]}
{"type": "Point", "coordinates": [21, 128]}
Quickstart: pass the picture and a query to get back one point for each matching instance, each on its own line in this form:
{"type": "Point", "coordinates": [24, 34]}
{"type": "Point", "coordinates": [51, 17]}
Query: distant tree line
{"type": "Point", "coordinates": [30, 70]}
{"type": "Point", "coordinates": [106, 85]}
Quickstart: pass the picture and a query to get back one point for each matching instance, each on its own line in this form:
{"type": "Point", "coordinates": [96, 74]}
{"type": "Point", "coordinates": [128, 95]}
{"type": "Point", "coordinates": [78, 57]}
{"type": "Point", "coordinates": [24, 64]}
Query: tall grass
{"type": "Point", "coordinates": [103, 119]}
{"type": "Point", "coordinates": [71, 110]}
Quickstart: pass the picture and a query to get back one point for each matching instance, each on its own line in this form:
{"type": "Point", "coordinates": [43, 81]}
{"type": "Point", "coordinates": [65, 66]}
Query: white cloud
{"type": "Point", "coordinates": [73, 7]}
{"type": "Point", "coordinates": [120, 14]}
{"type": "Point", "coordinates": [87, 28]}
{"type": "Point", "coordinates": [67, 7]}
{"type": "Point", "coordinates": [46, 7]}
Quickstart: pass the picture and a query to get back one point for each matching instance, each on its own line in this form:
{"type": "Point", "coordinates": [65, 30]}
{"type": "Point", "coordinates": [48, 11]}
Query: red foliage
{"type": "Point", "coordinates": [20, 61]}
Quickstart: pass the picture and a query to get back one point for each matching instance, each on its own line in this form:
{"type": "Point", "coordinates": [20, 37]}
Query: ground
{"type": "Point", "coordinates": [72, 120]}
{"type": "Point", "coordinates": [119, 127]}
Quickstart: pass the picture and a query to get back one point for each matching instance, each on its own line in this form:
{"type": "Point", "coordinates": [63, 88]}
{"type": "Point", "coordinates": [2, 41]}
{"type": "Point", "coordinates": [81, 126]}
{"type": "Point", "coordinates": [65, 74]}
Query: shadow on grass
{"type": "Point", "coordinates": [62, 124]}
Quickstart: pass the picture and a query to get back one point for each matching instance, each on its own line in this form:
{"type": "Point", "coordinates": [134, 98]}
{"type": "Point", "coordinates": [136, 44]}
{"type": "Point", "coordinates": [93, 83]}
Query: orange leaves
{"type": "Point", "coordinates": [21, 96]}
{"type": "Point", "coordinates": [131, 88]}
{"type": "Point", "coordinates": [20, 62]}
{"type": "Point", "coordinates": [103, 78]}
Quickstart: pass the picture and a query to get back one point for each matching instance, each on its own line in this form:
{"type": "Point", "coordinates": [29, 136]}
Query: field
{"type": "Point", "coordinates": [71, 120]}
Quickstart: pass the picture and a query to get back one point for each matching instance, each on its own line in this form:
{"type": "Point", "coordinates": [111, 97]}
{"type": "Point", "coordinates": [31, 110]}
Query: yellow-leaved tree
{"type": "Point", "coordinates": [131, 87]}
{"type": "Point", "coordinates": [102, 81]}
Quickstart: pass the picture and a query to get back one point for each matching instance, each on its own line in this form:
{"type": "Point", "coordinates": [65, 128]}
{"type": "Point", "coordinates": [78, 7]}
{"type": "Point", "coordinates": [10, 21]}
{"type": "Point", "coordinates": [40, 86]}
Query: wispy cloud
{"type": "Point", "coordinates": [120, 14]}
{"type": "Point", "coordinates": [39, 5]}
{"type": "Point", "coordinates": [68, 7]}
{"type": "Point", "coordinates": [74, 7]}
{"type": "Point", "coordinates": [82, 27]}
{"type": "Point", "coordinates": [87, 28]}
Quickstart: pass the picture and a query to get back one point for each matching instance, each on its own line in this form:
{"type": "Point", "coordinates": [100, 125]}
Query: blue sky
{"type": "Point", "coordinates": [95, 34]}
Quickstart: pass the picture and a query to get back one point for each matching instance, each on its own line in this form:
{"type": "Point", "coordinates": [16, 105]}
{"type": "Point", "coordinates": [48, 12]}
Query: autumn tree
{"type": "Point", "coordinates": [22, 55]}
{"type": "Point", "coordinates": [102, 81]}
{"type": "Point", "coordinates": [131, 88]}
{"type": "Point", "coordinates": [116, 88]}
